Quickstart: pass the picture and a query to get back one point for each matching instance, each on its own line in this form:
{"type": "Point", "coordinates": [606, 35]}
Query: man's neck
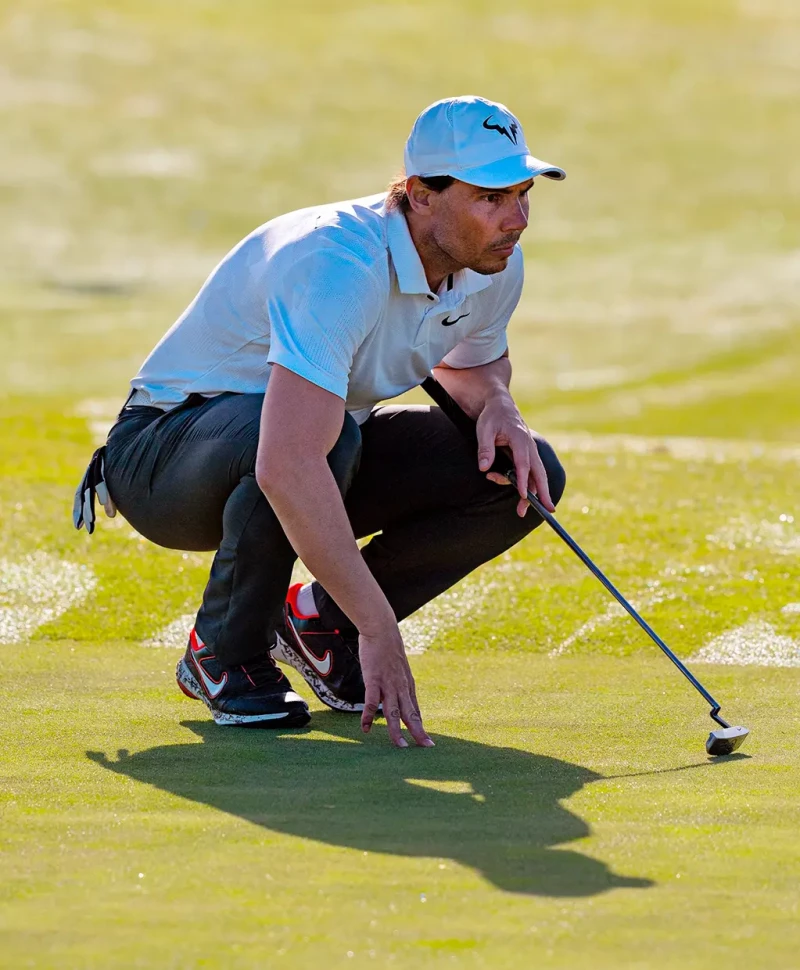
{"type": "Point", "coordinates": [435, 262]}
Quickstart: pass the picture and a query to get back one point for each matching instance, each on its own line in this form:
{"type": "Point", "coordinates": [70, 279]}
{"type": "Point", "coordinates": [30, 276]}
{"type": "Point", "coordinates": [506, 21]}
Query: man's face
{"type": "Point", "coordinates": [478, 228]}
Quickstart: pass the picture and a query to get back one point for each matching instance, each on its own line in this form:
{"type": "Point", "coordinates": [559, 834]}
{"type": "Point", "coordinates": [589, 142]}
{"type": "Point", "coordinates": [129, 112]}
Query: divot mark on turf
{"type": "Point", "coordinates": [37, 590]}
{"type": "Point", "coordinates": [756, 643]}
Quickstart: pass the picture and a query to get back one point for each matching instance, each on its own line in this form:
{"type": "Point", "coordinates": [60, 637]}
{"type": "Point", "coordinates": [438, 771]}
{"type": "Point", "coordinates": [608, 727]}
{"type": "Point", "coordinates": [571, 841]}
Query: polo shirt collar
{"type": "Point", "coordinates": [469, 282]}
{"type": "Point", "coordinates": [408, 266]}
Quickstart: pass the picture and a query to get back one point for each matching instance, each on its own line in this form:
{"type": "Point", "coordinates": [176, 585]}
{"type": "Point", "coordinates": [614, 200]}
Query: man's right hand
{"type": "Point", "coordinates": [388, 681]}
{"type": "Point", "coordinates": [303, 493]}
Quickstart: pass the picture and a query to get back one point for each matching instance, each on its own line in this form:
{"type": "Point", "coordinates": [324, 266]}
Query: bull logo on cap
{"type": "Point", "coordinates": [510, 132]}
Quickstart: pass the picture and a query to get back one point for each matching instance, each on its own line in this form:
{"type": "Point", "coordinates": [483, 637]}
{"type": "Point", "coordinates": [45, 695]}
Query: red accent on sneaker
{"type": "Point", "coordinates": [291, 599]}
{"type": "Point", "coordinates": [212, 687]}
{"type": "Point", "coordinates": [246, 672]}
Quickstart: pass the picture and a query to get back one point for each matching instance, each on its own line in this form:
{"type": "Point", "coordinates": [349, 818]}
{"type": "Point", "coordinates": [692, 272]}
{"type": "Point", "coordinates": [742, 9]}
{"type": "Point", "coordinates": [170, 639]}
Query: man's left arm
{"type": "Point", "coordinates": [483, 392]}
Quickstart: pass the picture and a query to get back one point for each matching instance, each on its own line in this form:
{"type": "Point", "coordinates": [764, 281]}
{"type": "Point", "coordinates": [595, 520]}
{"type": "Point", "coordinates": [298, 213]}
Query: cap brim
{"type": "Point", "coordinates": [509, 171]}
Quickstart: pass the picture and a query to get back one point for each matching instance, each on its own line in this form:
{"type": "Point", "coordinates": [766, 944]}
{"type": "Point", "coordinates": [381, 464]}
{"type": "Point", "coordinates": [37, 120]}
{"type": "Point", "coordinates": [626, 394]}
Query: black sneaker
{"type": "Point", "coordinates": [255, 695]}
{"type": "Point", "coordinates": [327, 659]}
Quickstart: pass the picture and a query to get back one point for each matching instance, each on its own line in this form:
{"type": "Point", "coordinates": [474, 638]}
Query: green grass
{"type": "Point", "coordinates": [568, 816]}
{"type": "Point", "coordinates": [578, 823]}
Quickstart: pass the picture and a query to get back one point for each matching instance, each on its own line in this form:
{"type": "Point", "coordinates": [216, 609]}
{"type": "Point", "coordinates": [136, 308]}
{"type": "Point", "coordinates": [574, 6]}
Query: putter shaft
{"type": "Point", "coordinates": [466, 426]}
{"type": "Point", "coordinates": [556, 526]}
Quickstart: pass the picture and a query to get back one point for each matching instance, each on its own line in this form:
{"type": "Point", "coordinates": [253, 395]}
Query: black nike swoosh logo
{"type": "Point", "coordinates": [449, 323]}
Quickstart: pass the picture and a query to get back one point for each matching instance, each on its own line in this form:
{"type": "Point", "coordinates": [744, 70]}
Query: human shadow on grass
{"type": "Point", "coordinates": [497, 810]}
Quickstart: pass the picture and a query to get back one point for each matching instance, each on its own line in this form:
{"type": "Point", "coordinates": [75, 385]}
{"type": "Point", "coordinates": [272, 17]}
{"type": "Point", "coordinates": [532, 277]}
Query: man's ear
{"type": "Point", "coordinates": [419, 195]}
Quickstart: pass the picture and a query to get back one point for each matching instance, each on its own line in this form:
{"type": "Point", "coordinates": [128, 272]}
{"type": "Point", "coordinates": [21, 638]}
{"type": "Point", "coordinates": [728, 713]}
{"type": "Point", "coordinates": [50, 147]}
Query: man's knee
{"type": "Point", "coordinates": [345, 456]}
{"type": "Point", "coordinates": [556, 476]}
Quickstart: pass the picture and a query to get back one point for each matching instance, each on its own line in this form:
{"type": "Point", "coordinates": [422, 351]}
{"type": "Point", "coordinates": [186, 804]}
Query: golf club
{"type": "Point", "coordinates": [723, 741]}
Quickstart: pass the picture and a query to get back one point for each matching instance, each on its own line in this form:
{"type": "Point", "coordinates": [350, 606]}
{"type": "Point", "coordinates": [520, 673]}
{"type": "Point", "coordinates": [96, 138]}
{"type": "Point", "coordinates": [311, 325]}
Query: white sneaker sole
{"type": "Point", "coordinates": [191, 687]}
{"type": "Point", "coordinates": [283, 652]}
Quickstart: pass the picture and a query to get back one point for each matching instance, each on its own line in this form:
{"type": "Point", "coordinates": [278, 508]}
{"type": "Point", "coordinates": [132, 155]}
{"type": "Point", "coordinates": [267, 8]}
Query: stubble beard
{"type": "Point", "coordinates": [478, 262]}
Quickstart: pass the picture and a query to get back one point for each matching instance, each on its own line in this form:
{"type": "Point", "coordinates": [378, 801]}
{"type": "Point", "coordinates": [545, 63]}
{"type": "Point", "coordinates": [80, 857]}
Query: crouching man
{"type": "Point", "coordinates": [253, 428]}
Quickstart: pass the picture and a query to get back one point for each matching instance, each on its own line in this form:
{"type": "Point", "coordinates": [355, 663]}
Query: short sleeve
{"type": "Point", "coordinates": [321, 308]}
{"type": "Point", "coordinates": [490, 340]}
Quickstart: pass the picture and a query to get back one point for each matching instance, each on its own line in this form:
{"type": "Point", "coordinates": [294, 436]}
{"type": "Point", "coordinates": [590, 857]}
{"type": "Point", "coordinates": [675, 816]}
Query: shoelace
{"type": "Point", "coordinates": [262, 671]}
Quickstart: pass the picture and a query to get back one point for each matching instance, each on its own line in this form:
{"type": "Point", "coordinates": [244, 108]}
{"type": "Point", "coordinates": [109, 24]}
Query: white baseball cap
{"type": "Point", "coordinates": [476, 141]}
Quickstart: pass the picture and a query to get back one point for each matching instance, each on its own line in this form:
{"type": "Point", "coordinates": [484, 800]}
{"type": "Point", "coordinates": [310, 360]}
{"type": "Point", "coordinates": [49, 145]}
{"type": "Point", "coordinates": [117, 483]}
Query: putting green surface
{"type": "Point", "coordinates": [568, 816]}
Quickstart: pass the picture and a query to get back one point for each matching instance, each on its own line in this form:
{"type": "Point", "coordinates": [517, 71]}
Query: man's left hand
{"type": "Point", "coordinates": [500, 425]}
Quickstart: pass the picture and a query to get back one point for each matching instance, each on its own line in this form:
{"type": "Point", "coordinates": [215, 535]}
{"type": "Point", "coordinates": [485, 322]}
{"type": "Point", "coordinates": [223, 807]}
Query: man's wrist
{"type": "Point", "coordinates": [375, 619]}
{"type": "Point", "coordinates": [499, 396]}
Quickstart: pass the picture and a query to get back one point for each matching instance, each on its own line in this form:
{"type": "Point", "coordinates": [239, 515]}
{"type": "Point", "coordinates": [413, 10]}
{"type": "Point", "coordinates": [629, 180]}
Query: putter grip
{"type": "Point", "coordinates": [464, 423]}
{"type": "Point", "coordinates": [459, 417]}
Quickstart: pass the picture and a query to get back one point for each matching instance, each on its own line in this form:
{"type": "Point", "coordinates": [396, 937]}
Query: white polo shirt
{"type": "Point", "coordinates": [337, 294]}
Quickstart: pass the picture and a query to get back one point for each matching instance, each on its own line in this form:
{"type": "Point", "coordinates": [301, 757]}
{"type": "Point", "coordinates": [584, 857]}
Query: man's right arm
{"type": "Point", "coordinates": [302, 491]}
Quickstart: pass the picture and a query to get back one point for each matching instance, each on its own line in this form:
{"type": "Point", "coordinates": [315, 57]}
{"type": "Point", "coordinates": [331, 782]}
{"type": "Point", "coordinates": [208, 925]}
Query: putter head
{"type": "Point", "coordinates": [726, 740]}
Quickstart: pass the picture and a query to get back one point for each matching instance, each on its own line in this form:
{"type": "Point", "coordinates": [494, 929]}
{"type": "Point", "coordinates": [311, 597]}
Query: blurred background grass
{"type": "Point", "coordinates": [144, 139]}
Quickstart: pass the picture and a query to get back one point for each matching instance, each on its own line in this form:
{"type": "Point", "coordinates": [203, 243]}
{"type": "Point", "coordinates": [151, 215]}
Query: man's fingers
{"type": "Point", "coordinates": [539, 476]}
{"type": "Point", "coordinates": [486, 437]}
{"type": "Point", "coordinates": [372, 700]}
{"type": "Point", "coordinates": [413, 692]}
{"type": "Point", "coordinates": [391, 711]}
{"type": "Point", "coordinates": [539, 485]}
{"type": "Point", "coordinates": [522, 467]}
{"type": "Point", "coordinates": [413, 721]}
{"type": "Point", "coordinates": [412, 689]}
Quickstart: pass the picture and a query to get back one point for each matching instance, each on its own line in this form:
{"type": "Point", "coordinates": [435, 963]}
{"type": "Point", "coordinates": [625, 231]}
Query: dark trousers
{"type": "Point", "coordinates": [185, 479]}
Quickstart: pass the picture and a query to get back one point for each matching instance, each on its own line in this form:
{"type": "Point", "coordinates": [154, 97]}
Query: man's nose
{"type": "Point", "coordinates": [517, 218]}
